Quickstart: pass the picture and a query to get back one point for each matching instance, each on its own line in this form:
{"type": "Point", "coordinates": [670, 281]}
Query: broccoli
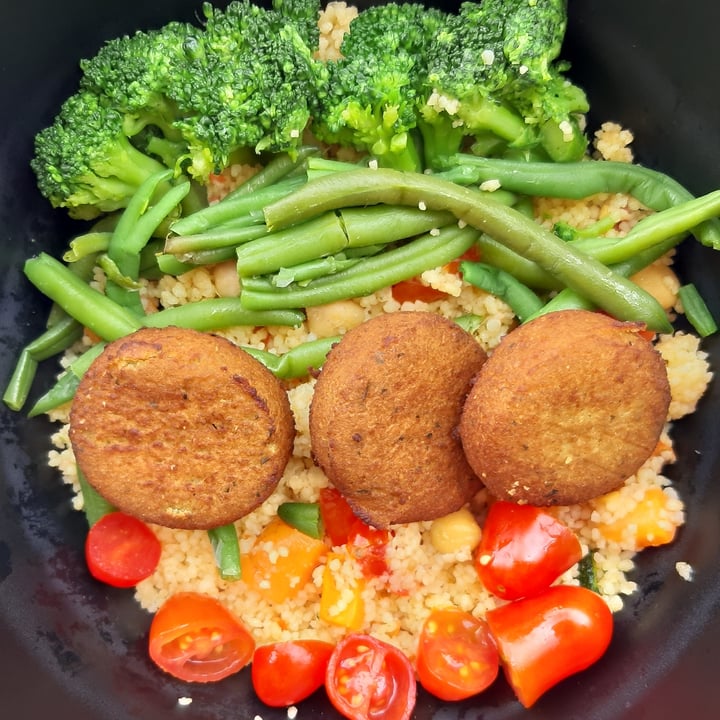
{"type": "Point", "coordinates": [85, 162]}
{"type": "Point", "coordinates": [304, 15]}
{"type": "Point", "coordinates": [252, 88]}
{"type": "Point", "coordinates": [492, 77]}
{"type": "Point", "coordinates": [135, 73]}
{"type": "Point", "coordinates": [372, 97]}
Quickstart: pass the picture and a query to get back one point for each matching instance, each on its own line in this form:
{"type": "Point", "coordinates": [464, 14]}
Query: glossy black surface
{"type": "Point", "coordinates": [72, 649]}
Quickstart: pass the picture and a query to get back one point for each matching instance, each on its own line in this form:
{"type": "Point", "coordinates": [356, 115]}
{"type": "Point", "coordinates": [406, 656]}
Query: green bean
{"type": "Point", "coordinates": [278, 168]}
{"type": "Point", "coordinates": [312, 270]}
{"type": "Point", "coordinates": [388, 223]}
{"type": "Point", "coordinates": [216, 313]}
{"type": "Point", "coordinates": [578, 180]}
{"type": "Point", "coordinates": [226, 235]}
{"type": "Point", "coordinates": [95, 505]}
{"type": "Point", "coordinates": [696, 311]}
{"type": "Point", "coordinates": [298, 361]}
{"type": "Point", "coordinates": [654, 228]}
{"type": "Point", "coordinates": [615, 294]}
{"type": "Point", "coordinates": [304, 517]}
{"type": "Point", "coordinates": [64, 388]}
{"type": "Point", "coordinates": [521, 299]}
{"type": "Point", "coordinates": [88, 244]}
{"type": "Point", "coordinates": [20, 383]}
{"type": "Point", "coordinates": [323, 235]}
{"type": "Point", "coordinates": [232, 208]}
{"type": "Point", "coordinates": [171, 265]}
{"type": "Point", "coordinates": [91, 308]}
{"type": "Point", "coordinates": [374, 273]}
{"type": "Point", "coordinates": [226, 550]}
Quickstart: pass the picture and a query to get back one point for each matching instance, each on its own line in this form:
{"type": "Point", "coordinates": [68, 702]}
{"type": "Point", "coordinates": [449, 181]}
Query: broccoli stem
{"type": "Point", "coordinates": [99, 313]}
{"type": "Point", "coordinates": [374, 273]}
{"type": "Point", "coordinates": [578, 180]}
{"type": "Point", "coordinates": [617, 295]}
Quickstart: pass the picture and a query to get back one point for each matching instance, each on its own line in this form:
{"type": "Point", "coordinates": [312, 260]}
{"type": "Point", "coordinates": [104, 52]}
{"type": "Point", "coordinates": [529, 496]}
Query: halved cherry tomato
{"type": "Point", "coordinates": [457, 656]}
{"type": "Point", "coordinates": [548, 637]}
{"type": "Point", "coordinates": [284, 673]}
{"type": "Point", "coordinates": [412, 290]}
{"type": "Point", "coordinates": [197, 639]}
{"type": "Point", "coordinates": [369, 679]}
{"type": "Point", "coordinates": [121, 550]}
{"type": "Point", "coordinates": [368, 545]}
{"type": "Point", "coordinates": [523, 550]}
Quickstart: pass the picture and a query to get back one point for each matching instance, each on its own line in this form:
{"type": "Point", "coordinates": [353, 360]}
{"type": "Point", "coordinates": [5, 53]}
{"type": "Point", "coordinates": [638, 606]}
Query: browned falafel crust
{"type": "Point", "coordinates": [181, 428]}
{"type": "Point", "coordinates": [384, 416]}
{"type": "Point", "coordinates": [567, 407]}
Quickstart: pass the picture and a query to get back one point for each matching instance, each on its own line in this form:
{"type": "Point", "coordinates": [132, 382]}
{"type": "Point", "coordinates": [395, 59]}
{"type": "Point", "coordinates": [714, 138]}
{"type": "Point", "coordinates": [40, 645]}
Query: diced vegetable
{"type": "Point", "coordinates": [341, 600]}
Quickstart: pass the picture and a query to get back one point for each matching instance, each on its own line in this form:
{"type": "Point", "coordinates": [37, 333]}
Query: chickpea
{"type": "Point", "coordinates": [454, 532]}
{"type": "Point", "coordinates": [225, 277]}
{"type": "Point", "coordinates": [660, 281]}
{"type": "Point", "coordinates": [334, 318]}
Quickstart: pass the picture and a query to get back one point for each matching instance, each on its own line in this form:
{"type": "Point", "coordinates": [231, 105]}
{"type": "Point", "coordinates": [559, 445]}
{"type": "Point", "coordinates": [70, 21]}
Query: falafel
{"type": "Point", "coordinates": [567, 407]}
{"type": "Point", "coordinates": [384, 416]}
{"type": "Point", "coordinates": [181, 428]}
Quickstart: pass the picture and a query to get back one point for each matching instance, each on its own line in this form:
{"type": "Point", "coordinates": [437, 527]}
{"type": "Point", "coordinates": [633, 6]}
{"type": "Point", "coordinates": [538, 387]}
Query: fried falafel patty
{"type": "Point", "coordinates": [181, 428]}
{"type": "Point", "coordinates": [384, 416]}
{"type": "Point", "coordinates": [566, 408]}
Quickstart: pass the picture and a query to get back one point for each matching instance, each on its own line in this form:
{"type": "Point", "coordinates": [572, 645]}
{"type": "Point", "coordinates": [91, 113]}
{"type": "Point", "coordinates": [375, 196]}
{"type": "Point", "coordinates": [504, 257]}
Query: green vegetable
{"type": "Point", "coordinates": [95, 505]}
{"type": "Point", "coordinates": [617, 295]}
{"type": "Point", "coordinates": [579, 180]}
{"type": "Point", "coordinates": [304, 517]}
{"type": "Point", "coordinates": [587, 572]}
{"type": "Point", "coordinates": [523, 301]}
{"type": "Point", "coordinates": [226, 550]}
{"type": "Point", "coordinates": [696, 311]}
{"type": "Point", "coordinates": [298, 361]}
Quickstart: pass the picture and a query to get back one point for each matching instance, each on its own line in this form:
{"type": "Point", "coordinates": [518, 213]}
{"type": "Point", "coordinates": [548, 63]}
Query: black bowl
{"type": "Point", "coordinates": [73, 649]}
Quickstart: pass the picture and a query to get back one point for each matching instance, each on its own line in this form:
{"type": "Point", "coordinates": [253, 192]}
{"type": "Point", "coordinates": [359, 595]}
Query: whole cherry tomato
{"type": "Point", "coordinates": [369, 679]}
{"type": "Point", "coordinates": [457, 656]}
{"type": "Point", "coordinates": [365, 543]}
{"type": "Point", "coordinates": [523, 550]}
{"type": "Point", "coordinates": [197, 639]}
{"type": "Point", "coordinates": [548, 637]}
{"type": "Point", "coordinates": [121, 550]}
{"type": "Point", "coordinates": [284, 673]}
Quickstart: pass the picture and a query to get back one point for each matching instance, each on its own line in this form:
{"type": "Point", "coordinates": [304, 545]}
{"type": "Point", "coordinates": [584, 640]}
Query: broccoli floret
{"type": "Point", "coordinates": [135, 73]}
{"type": "Point", "coordinates": [372, 98]}
{"type": "Point", "coordinates": [534, 34]}
{"type": "Point", "coordinates": [251, 89]}
{"type": "Point", "coordinates": [85, 162]}
{"type": "Point", "coordinates": [304, 15]}
{"type": "Point", "coordinates": [493, 77]}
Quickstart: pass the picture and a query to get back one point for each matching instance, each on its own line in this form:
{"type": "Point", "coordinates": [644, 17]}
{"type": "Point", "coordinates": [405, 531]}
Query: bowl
{"type": "Point", "coordinates": [74, 649]}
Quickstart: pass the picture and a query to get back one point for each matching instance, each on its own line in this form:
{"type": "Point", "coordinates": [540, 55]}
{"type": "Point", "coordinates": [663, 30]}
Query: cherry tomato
{"type": "Point", "coordinates": [457, 656]}
{"type": "Point", "coordinates": [285, 673]}
{"type": "Point", "coordinates": [548, 637]}
{"type": "Point", "coordinates": [365, 543]}
{"type": "Point", "coordinates": [523, 550]}
{"type": "Point", "coordinates": [195, 638]}
{"type": "Point", "coordinates": [121, 550]}
{"type": "Point", "coordinates": [369, 679]}
{"type": "Point", "coordinates": [413, 290]}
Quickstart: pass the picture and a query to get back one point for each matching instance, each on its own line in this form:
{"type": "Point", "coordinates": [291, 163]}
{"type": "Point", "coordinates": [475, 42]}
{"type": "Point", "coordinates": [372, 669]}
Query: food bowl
{"type": "Point", "coordinates": [72, 648]}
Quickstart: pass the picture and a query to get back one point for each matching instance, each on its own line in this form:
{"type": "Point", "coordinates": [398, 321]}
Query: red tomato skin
{"type": "Point", "coordinates": [452, 641]}
{"type": "Point", "coordinates": [121, 550]}
{"type": "Point", "coordinates": [365, 543]}
{"type": "Point", "coordinates": [546, 638]}
{"type": "Point", "coordinates": [195, 638]}
{"type": "Point", "coordinates": [369, 679]}
{"type": "Point", "coordinates": [285, 673]}
{"type": "Point", "coordinates": [523, 550]}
